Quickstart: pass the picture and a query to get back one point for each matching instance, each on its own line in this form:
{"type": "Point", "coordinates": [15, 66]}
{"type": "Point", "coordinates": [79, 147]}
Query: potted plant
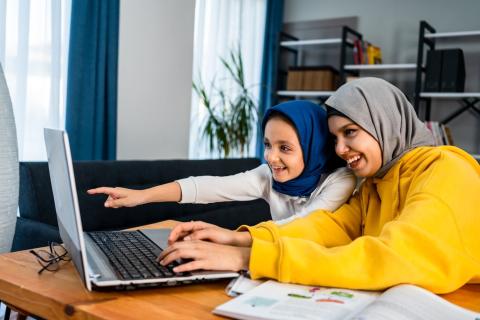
{"type": "Point", "coordinates": [230, 120]}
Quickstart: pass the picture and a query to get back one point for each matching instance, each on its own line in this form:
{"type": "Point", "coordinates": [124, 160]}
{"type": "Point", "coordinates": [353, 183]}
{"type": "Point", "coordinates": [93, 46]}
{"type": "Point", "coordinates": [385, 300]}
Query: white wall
{"type": "Point", "coordinates": [394, 25]}
{"type": "Point", "coordinates": [154, 78]}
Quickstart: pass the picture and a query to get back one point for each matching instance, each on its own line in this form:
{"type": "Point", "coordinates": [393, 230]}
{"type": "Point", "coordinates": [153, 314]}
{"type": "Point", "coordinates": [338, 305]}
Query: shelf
{"type": "Point", "coordinates": [305, 93]}
{"type": "Point", "coordinates": [453, 34]}
{"type": "Point", "coordinates": [392, 66]}
{"type": "Point", "coordinates": [450, 95]}
{"type": "Point", "coordinates": [312, 42]}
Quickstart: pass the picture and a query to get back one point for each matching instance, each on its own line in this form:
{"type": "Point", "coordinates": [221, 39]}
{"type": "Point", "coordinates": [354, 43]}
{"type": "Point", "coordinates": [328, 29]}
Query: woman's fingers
{"type": "Point", "coordinates": [197, 230]}
{"type": "Point", "coordinates": [183, 229]}
{"type": "Point", "coordinates": [217, 235]}
{"type": "Point", "coordinates": [206, 255]}
{"type": "Point", "coordinates": [204, 234]}
{"type": "Point", "coordinates": [178, 232]}
{"type": "Point", "coordinates": [177, 251]}
{"type": "Point", "coordinates": [191, 266]}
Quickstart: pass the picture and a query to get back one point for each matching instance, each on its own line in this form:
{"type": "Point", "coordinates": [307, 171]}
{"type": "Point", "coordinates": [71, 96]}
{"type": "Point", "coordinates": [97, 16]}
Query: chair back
{"type": "Point", "coordinates": [9, 176]}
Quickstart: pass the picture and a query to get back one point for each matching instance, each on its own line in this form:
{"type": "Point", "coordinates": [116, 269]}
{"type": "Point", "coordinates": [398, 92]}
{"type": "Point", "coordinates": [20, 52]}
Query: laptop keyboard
{"type": "Point", "coordinates": [132, 255]}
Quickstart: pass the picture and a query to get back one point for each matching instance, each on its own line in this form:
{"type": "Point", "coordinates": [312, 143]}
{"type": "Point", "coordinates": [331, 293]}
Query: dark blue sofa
{"type": "Point", "coordinates": [37, 224]}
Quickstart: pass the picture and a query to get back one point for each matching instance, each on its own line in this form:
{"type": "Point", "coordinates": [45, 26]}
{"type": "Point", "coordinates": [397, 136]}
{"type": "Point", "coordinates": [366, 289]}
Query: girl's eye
{"type": "Point", "coordinates": [285, 148]}
{"type": "Point", "coordinates": [267, 145]}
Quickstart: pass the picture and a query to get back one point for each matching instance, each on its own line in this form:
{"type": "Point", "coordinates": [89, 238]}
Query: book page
{"type": "Point", "coordinates": [241, 284]}
{"type": "Point", "coordinates": [273, 300]}
{"type": "Point", "coordinates": [408, 302]}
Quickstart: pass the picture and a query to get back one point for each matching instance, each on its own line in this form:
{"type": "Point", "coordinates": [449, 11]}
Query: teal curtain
{"type": "Point", "coordinates": [91, 108]}
{"type": "Point", "coordinates": [273, 27]}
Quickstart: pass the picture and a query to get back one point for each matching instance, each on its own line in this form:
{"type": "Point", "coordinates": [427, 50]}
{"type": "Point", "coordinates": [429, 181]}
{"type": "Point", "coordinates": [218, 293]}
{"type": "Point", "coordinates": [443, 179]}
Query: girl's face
{"type": "Point", "coordinates": [283, 152]}
{"type": "Point", "coordinates": [356, 146]}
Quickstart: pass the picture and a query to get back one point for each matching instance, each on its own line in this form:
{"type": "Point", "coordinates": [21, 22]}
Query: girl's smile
{"type": "Point", "coordinates": [283, 151]}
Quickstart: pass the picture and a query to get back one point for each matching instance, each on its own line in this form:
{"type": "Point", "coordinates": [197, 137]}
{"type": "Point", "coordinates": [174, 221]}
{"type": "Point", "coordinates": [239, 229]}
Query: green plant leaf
{"type": "Point", "coordinates": [230, 121]}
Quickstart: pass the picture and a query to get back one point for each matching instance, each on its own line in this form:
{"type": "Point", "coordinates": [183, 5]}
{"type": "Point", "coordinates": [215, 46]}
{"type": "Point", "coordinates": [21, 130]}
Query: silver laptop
{"type": "Point", "coordinates": [111, 259]}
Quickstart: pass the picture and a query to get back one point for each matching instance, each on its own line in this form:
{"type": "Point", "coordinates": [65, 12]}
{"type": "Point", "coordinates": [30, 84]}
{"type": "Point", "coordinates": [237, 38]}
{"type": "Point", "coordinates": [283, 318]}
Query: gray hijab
{"type": "Point", "coordinates": [383, 111]}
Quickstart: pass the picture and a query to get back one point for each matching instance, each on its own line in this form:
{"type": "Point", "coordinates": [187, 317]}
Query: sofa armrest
{"type": "Point", "coordinates": [33, 234]}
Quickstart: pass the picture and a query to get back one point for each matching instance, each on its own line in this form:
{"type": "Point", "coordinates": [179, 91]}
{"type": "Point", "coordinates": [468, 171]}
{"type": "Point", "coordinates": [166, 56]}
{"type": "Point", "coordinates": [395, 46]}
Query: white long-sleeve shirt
{"type": "Point", "coordinates": [332, 191]}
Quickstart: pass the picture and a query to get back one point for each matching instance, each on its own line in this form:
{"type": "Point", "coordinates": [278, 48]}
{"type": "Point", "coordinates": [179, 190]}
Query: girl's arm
{"type": "Point", "coordinates": [244, 186]}
{"type": "Point", "coordinates": [123, 197]}
{"type": "Point", "coordinates": [248, 185]}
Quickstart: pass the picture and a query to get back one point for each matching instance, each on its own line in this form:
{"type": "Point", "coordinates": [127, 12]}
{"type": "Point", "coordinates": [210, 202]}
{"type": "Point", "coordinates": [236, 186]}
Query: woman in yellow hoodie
{"type": "Point", "coordinates": [415, 218]}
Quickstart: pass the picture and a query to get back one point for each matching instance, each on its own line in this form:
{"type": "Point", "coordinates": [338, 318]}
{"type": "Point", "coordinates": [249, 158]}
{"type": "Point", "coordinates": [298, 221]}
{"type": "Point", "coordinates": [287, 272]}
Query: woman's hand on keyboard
{"type": "Point", "coordinates": [203, 255]}
{"type": "Point", "coordinates": [198, 230]}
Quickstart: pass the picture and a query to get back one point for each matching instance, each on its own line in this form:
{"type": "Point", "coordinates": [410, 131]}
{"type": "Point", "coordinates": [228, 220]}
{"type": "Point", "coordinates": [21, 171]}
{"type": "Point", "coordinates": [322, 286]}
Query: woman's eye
{"type": "Point", "coordinates": [266, 145]}
{"type": "Point", "coordinates": [285, 148]}
{"type": "Point", "coordinates": [349, 132]}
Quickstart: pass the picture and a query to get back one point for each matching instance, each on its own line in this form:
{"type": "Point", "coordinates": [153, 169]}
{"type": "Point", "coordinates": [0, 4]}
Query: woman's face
{"type": "Point", "coordinates": [356, 146]}
{"type": "Point", "coordinates": [283, 151]}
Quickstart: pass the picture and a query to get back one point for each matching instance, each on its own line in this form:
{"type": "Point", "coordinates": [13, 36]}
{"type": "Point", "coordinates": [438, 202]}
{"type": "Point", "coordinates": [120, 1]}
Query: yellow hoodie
{"type": "Point", "coordinates": [419, 224]}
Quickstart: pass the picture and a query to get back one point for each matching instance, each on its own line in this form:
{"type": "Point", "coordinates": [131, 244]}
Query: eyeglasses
{"type": "Point", "coordinates": [50, 259]}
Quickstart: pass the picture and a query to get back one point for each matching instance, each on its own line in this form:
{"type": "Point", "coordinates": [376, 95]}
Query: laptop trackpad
{"type": "Point", "coordinates": [158, 236]}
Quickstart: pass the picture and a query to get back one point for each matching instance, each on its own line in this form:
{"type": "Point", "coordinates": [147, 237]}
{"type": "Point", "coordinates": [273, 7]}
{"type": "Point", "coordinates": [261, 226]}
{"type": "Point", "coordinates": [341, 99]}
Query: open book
{"type": "Point", "coordinates": [274, 300]}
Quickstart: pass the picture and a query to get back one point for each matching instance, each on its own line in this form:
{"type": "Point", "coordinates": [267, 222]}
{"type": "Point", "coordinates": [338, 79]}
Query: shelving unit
{"type": "Point", "coordinates": [320, 94]}
{"type": "Point", "coordinates": [295, 46]}
{"type": "Point", "coordinates": [313, 42]}
{"type": "Point", "coordinates": [391, 66]}
{"type": "Point", "coordinates": [427, 36]}
{"type": "Point", "coordinates": [345, 42]}
{"type": "Point", "coordinates": [452, 34]}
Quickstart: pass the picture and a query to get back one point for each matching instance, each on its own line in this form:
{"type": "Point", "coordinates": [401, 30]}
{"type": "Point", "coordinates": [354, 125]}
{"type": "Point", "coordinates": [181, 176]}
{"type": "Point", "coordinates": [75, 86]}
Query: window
{"type": "Point", "coordinates": [219, 27]}
{"type": "Point", "coordinates": [33, 53]}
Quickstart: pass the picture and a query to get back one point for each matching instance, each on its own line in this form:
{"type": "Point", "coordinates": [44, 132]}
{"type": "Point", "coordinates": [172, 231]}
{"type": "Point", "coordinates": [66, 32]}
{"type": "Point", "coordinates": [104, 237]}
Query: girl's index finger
{"type": "Point", "coordinates": [104, 190]}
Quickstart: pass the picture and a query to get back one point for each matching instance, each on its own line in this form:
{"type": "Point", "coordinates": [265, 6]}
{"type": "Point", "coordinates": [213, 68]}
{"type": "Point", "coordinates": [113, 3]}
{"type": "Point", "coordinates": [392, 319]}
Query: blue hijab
{"type": "Point", "coordinates": [310, 122]}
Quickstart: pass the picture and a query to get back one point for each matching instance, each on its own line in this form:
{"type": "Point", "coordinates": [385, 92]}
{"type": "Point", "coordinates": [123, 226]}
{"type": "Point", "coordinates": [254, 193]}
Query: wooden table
{"type": "Point", "coordinates": [61, 294]}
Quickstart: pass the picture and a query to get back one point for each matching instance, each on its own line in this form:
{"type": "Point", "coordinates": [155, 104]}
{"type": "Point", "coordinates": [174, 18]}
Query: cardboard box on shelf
{"type": "Point", "coordinates": [312, 78]}
{"type": "Point", "coordinates": [294, 79]}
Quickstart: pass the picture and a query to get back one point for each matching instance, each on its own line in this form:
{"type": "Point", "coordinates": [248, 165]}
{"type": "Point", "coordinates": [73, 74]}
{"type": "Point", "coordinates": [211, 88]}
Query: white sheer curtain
{"type": "Point", "coordinates": [221, 26]}
{"type": "Point", "coordinates": [33, 51]}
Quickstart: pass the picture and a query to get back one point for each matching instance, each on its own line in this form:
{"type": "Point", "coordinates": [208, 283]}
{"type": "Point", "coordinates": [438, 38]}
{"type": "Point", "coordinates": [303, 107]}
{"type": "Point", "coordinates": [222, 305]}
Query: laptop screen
{"type": "Point", "coordinates": [65, 196]}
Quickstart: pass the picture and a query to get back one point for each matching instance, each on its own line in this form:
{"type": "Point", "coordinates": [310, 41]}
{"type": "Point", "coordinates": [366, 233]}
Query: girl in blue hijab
{"type": "Point", "coordinates": [300, 174]}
